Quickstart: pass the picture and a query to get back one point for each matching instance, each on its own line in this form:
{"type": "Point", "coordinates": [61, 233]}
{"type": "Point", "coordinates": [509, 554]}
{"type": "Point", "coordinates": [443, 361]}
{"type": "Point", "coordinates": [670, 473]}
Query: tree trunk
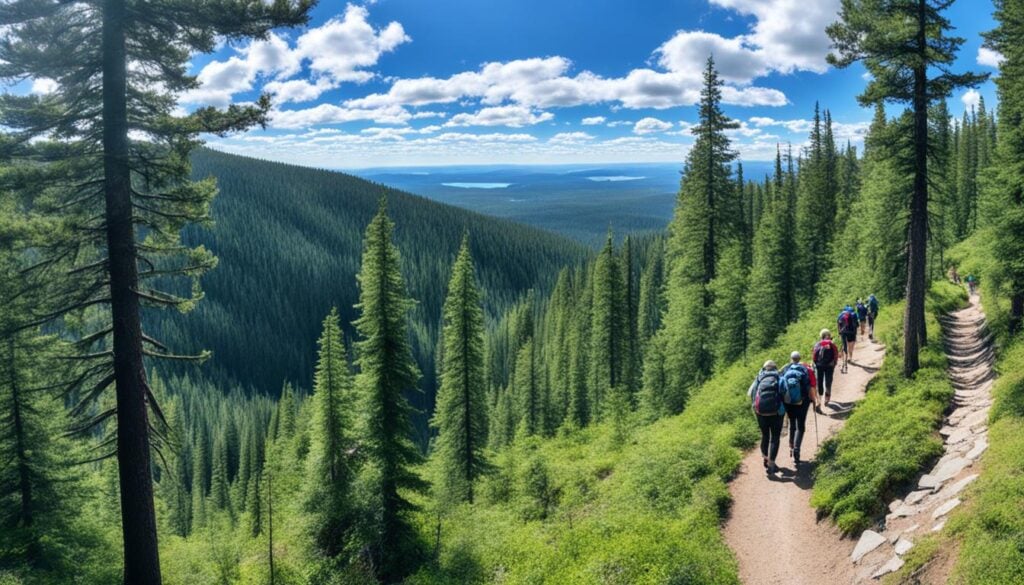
{"type": "Point", "coordinates": [138, 519]}
{"type": "Point", "coordinates": [20, 451]}
{"type": "Point", "coordinates": [914, 332]}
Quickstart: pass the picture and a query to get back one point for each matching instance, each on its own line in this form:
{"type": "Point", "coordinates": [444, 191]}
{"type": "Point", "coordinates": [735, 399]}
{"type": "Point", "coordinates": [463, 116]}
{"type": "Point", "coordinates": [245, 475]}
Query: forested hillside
{"type": "Point", "coordinates": [287, 240]}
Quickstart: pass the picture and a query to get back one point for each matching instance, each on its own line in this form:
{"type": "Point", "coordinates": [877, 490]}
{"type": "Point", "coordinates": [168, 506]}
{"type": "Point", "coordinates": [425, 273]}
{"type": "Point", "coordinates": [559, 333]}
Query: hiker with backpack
{"type": "Point", "coordinates": [872, 314]}
{"type": "Point", "coordinates": [798, 392]}
{"type": "Point", "coordinates": [862, 315]}
{"type": "Point", "coordinates": [847, 322]}
{"type": "Point", "coordinates": [765, 395]}
{"type": "Point", "coordinates": [826, 356]}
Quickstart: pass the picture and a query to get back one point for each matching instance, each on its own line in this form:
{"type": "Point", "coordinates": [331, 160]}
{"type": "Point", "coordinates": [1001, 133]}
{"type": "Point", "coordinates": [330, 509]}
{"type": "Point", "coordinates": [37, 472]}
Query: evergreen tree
{"type": "Point", "coordinates": [607, 327]}
{"type": "Point", "coordinates": [630, 379]}
{"type": "Point", "coordinates": [651, 303]}
{"type": "Point", "coordinates": [728, 321]}
{"type": "Point", "coordinates": [461, 414]}
{"type": "Point", "coordinates": [815, 213]}
{"type": "Point", "coordinates": [199, 485]}
{"type": "Point", "coordinates": [1005, 189]}
{"type": "Point", "coordinates": [900, 42]}
{"type": "Point", "coordinates": [328, 468]}
{"type": "Point", "coordinates": [386, 372]}
{"type": "Point", "coordinates": [527, 392]}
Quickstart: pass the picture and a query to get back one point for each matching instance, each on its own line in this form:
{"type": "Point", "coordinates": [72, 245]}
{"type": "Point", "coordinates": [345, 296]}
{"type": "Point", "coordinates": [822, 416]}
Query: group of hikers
{"type": "Point", "coordinates": [777, 394]}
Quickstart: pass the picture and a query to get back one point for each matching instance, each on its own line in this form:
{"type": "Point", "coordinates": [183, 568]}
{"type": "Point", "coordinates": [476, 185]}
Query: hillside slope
{"type": "Point", "coordinates": [289, 239]}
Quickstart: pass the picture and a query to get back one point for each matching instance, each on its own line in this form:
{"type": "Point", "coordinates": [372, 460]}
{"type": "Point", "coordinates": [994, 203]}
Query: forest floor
{"type": "Point", "coordinates": [772, 528]}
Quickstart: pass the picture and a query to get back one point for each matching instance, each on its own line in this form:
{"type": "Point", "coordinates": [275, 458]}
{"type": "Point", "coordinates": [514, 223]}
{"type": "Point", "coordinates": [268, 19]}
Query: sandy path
{"type": "Point", "coordinates": [772, 528]}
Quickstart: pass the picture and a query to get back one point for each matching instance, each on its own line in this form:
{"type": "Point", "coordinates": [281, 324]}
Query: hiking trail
{"type": "Point", "coordinates": [772, 528]}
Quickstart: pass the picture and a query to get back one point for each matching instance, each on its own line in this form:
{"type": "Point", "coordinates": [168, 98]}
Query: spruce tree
{"type": "Point", "coordinates": [387, 372]}
{"type": "Point", "coordinates": [630, 379]}
{"type": "Point", "coordinates": [328, 468]}
{"type": "Point", "coordinates": [527, 392]}
{"type": "Point", "coordinates": [461, 414]}
{"type": "Point", "coordinates": [900, 43]}
{"type": "Point", "coordinates": [1005, 189]}
{"type": "Point", "coordinates": [651, 303]}
{"type": "Point", "coordinates": [607, 327]}
{"type": "Point", "coordinates": [728, 319]}
{"type": "Point", "coordinates": [705, 216]}
{"type": "Point", "coordinates": [815, 213]}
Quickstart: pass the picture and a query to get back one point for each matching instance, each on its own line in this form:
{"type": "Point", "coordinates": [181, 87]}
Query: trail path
{"type": "Point", "coordinates": [776, 515]}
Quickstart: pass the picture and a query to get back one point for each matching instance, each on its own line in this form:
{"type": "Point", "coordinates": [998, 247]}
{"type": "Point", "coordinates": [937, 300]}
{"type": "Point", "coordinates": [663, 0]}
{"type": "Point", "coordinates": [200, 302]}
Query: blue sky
{"type": "Point", "coordinates": [415, 82]}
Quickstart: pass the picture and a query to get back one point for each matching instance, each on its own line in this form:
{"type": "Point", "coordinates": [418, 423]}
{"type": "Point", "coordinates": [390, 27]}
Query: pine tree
{"type": "Point", "coordinates": [386, 372]}
{"type": "Point", "coordinates": [815, 214]}
{"type": "Point", "coordinates": [728, 320]}
{"type": "Point", "coordinates": [328, 470]}
{"type": "Point", "coordinates": [607, 326]}
{"type": "Point", "coordinates": [461, 414]}
{"type": "Point", "coordinates": [768, 293]}
{"type": "Point", "coordinates": [220, 498]}
{"type": "Point", "coordinates": [173, 481]}
{"type": "Point", "coordinates": [900, 43]}
{"type": "Point", "coordinates": [527, 392]}
{"type": "Point", "coordinates": [705, 216]}
{"type": "Point", "coordinates": [1005, 189]}
{"type": "Point", "coordinates": [199, 482]}
{"type": "Point", "coordinates": [630, 379]}
{"type": "Point", "coordinates": [651, 303]}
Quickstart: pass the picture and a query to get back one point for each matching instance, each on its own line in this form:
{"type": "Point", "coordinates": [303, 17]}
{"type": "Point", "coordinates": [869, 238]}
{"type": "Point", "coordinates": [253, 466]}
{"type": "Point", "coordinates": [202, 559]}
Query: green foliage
{"type": "Point", "coordinates": [891, 434]}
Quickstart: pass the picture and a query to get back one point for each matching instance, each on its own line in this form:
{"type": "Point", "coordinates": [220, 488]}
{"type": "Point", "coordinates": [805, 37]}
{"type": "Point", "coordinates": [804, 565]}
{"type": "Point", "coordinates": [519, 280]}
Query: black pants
{"type": "Point", "coordinates": [771, 434]}
{"type": "Point", "coordinates": [797, 414]}
{"type": "Point", "coordinates": [825, 376]}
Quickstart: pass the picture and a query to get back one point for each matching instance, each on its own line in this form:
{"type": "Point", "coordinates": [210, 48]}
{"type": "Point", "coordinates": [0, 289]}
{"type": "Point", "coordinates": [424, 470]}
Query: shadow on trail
{"type": "Point", "coordinates": [802, 478]}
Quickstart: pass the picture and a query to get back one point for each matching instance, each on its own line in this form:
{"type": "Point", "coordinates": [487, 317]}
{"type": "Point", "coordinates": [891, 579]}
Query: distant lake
{"type": "Point", "coordinates": [477, 185]}
{"type": "Point", "coordinates": [615, 178]}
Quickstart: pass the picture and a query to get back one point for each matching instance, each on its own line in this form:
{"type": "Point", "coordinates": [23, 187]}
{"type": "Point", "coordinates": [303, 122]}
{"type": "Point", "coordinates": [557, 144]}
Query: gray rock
{"type": "Point", "coordinates": [976, 418]}
{"type": "Point", "coordinates": [894, 505]}
{"type": "Point", "coordinates": [894, 564]}
{"type": "Point", "coordinates": [979, 447]}
{"type": "Point", "coordinates": [939, 526]}
{"type": "Point", "coordinates": [951, 469]}
{"type": "Point", "coordinates": [902, 546]}
{"type": "Point", "coordinates": [947, 430]}
{"type": "Point", "coordinates": [945, 508]}
{"type": "Point", "coordinates": [929, 482]}
{"type": "Point", "coordinates": [959, 486]}
{"type": "Point", "coordinates": [916, 497]}
{"type": "Point", "coordinates": [961, 434]}
{"type": "Point", "coordinates": [868, 542]}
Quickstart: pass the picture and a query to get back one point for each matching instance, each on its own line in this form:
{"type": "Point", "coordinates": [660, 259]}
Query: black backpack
{"type": "Point", "coordinates": [768, 394]}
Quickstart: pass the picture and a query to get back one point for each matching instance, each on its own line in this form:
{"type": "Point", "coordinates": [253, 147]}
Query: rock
{"type": "Point", "coordinates": [939, 526]}
{"type": "Point", "coordinates": [928, 482]}
{"type": "Point", "coordinates": [916, 497]}
{"type": "Point", "coordinates": [961, 434]}
{"type": "Point", "coordinates": [893, 505]}
{"type": "Point", "coordinates": [979, 447]}
{"type": "Point", "coordinates": [951, 468]}
{"type": "Point", "coordinates": [976, 418]}
{"type": "Point", "coordinates": [902, 546]}
{"type": "Point", "coordinates": [911, 529]}
{"type": "Point", "coordinates": [893, 565]}
{"type": "Point", "coordinates": [947, 430]}
{"type": "Point", "coordinates": [901, 512]}
{"type": "Point", "coordinates": [959, 486]}
{"type": "Point", "coordinates": [868, 542]}
{"type": "Point", "coordinates": [945, 508]}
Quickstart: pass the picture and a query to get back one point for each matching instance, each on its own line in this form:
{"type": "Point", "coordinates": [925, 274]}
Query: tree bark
{"type": "Point", "coordinates": [914, 331]}
{"type": "Point", "coordinates": [138, 518]}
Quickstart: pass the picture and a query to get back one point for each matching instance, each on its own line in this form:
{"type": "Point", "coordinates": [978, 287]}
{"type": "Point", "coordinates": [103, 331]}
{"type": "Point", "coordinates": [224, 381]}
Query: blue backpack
{"type": "Point", "coordinates": [793, 384]}
{"type": "Point", "coordinates": [873, 305]}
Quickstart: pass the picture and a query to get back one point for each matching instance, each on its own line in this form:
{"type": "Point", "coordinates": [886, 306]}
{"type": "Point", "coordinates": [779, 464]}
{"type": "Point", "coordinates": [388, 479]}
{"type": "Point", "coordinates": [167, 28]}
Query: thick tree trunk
{"type": "Point", "coordinates": [138, 519]}
{"type": "Point", "coordinates": [914, 332]}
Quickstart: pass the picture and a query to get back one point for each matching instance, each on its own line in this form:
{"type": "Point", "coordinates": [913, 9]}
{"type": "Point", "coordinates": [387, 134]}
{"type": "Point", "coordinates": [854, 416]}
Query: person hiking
{"type": "Point", "coordinates": [825, 355]}
{"type": "Point", "coordinates": [862, 315]}
{"type": "Point", "coordinates": [847, 322]}
{"type": "Point", "coordinates": [766, 399]}
{"type": "Point", "coordinates": [798, 394]}
{"type": "Point", "coordinates": [872, 314]}
{"type": "Point", "coordinates": [972, 283]}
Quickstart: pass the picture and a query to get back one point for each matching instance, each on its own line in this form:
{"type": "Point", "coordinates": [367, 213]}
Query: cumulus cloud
{"type": "Point", "coordinates": [570, 138]}
{"type": "Point", "coordinates": [789, 35]}
{"type": "Point", "coordinates": [651, 126]}
{"type": "Point", "coordinates": [989, 58]}
{"type": "Point", "coordinates": [336, 52]}
{"type": "Point", "coordinates": [971, 98]}
{"type": "Point", "coordinates": [43, 86]}
{"type": "Point", "coordinates": [332, 114]}
{"type": "Point", "coordinates": [593, 121]}
{"type": "Point", "coordinates": [513, 116]}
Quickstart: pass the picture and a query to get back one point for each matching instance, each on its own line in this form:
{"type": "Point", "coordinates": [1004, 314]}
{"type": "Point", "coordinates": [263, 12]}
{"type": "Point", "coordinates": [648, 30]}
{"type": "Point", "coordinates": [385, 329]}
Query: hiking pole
{"type": "Point", "coordinates": [817, 440]}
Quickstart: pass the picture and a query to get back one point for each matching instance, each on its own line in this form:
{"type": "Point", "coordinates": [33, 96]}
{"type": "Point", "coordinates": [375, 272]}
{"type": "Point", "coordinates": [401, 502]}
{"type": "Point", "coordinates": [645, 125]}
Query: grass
{"type": "Point", "coordinates": [891, 434]}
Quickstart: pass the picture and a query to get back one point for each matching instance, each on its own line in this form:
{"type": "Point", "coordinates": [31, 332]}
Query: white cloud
{"type": "Point", "coordinates": [795, 126]}
{"type": "Point", "coordinates": [990, 58]}
{"type": "Point", "coordinates": [338, 51]}
{"type": "Point", "coordinates": [651, 126]}
{"type": "Point", "coordinates": [43, 86]}
{"type": "Point", "coordinates": [970, 99]}
{"type": "Point", "coordinates": [570, 138]}
{"type": "Point", "coordinates": [735, 60]}
{"type": "Point", "coordinates": [332, 114]}
{"type": "Point", "coordinates": [789, 34]}
{"type": "Point", "coordinates": [615, 123]}
{"type": "Point", "coordinates": [593, 121]}
{"type": "Point", "coordinates": [512, 116]}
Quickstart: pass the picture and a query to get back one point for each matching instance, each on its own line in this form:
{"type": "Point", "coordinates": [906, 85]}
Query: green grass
{"type": "Point", "coordinates": [891, 434]}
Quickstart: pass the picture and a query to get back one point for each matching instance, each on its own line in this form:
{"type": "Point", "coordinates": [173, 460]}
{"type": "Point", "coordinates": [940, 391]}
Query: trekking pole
{"type": "Point", "coordinates": [817, 440]}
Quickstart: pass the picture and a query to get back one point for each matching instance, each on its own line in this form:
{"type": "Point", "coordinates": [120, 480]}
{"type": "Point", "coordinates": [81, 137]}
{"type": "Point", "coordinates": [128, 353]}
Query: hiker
{"type": "Point", "coordinates": [825, 355]}
{"type": "Point", "coordinates": [847, 322]}
{"type": "Point", "coordinates": [862, 315]}
{"type": "Point", "coordinates": [972, 283]}
{"type": "Point", "coordinates": [872, 314]}
{"type": "Point", "coordinates": [798, 392]}
{"type": "Point", "coordinates": [765, 395]}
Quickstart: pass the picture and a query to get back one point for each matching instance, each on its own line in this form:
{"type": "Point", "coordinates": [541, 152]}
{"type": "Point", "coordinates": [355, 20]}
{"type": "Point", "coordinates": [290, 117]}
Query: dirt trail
{"type": "Point", "coordinates": [776, 515]}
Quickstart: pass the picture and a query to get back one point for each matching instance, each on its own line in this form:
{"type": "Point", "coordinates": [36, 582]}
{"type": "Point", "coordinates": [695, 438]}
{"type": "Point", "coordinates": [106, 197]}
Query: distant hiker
{"type": "Point", "coordinates": [972, 283]}
{"type": "Point", "coordinates": [954, 275]}
{"type": "Point", "coordinates": [825, 355]}
{"type": "Point", "coordinates": [847, 322]}
{"type": "Point", "coordinates": [862, 315]}
{"type": "Point", "coordinates": [766, 398]}
{"type": "Point", "coordinates": [872, 314]}
{"type": "Point", "coordinates": [798, 392]}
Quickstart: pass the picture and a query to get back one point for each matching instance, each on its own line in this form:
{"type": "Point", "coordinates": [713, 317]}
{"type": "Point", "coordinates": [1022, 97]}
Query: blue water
{"type": "Point", "coordinates": [614, 178]}
{"type": "Point", "coordinates": [478, 185]}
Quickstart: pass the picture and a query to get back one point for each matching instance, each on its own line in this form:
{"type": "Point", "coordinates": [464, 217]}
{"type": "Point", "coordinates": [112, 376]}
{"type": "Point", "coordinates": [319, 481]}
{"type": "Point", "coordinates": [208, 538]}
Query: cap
{"type": "Point", "coordinates": [795, 356]}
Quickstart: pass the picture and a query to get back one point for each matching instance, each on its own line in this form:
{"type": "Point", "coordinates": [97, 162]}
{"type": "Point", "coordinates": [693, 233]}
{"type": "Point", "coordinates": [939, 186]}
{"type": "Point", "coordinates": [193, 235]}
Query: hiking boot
{"type": "Point", "coordinates": [828, 398]}
{"type": "Point", "coordinates": [772, 468]}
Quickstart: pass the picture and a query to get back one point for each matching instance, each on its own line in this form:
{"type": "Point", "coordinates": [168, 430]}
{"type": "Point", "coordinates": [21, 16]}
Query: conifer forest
{"type": "Point", "coordinates": [224, 368]}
